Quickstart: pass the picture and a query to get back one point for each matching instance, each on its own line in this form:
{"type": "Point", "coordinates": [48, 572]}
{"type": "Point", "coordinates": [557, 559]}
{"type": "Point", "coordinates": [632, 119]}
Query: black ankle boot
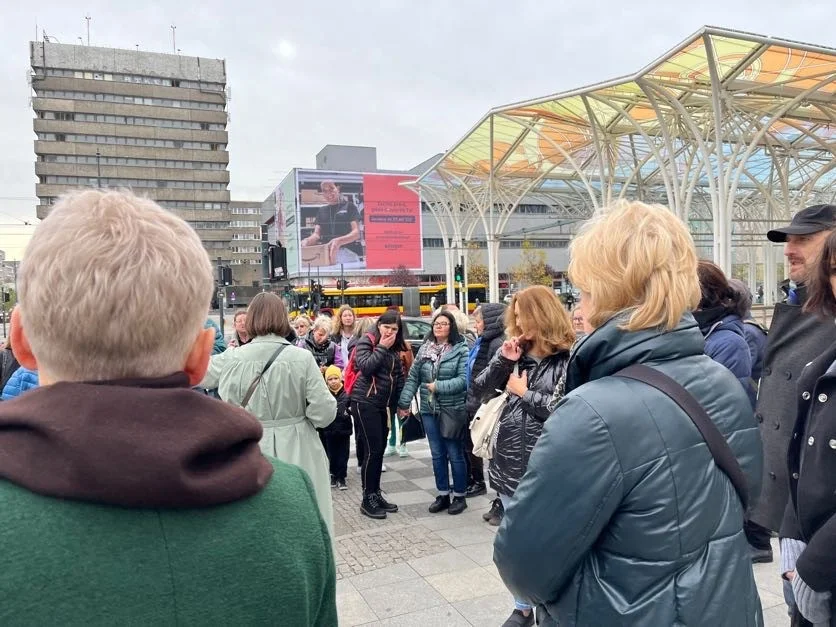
{"type": "Point", "coordinates": [441, 503]}
{"type": "Point", "coordinates": [476, 489]}
{"type": "Point", "coordinates": [371, 507]}
{"type": "Point", "coordinates": [386, 505]}
{"type": "Point", "coordinates": [458, 505]}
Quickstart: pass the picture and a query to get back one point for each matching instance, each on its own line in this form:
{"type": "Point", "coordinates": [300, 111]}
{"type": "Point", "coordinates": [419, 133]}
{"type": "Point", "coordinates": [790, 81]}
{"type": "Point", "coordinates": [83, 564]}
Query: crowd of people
{"type": "Point", "coordinates": [647, 444]}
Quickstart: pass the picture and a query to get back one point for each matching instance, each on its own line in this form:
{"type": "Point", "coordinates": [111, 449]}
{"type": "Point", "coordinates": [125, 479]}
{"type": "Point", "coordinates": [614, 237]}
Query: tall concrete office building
{"type": "Point", "coordinates": [156, 123]}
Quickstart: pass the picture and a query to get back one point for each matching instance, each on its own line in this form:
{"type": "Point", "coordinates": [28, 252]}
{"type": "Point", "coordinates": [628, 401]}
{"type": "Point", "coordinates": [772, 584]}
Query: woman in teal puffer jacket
{"type": "Point", "coordinates": [440, 373]}
{"type": "Point", "coordinates": [623, 517]}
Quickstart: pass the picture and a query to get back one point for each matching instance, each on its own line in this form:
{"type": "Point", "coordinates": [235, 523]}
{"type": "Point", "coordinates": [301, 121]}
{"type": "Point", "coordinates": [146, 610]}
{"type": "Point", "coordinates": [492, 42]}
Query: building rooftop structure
{"type": "Point", "coordinates": [733, 131]}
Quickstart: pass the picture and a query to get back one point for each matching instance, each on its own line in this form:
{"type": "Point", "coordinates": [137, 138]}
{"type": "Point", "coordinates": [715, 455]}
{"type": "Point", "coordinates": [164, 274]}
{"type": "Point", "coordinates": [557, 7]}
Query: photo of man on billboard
{"type": "Point", "coordinates": [336, 233]}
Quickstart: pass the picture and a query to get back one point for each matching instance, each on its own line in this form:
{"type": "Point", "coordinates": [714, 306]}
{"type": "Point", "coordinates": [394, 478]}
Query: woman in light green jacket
{"type": "Point", "coordinates": [291, 400]}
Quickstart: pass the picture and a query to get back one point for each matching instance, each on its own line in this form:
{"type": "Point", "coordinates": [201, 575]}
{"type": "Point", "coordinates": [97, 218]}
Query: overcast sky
{"type": "Point", "coordinates": [409, 77]}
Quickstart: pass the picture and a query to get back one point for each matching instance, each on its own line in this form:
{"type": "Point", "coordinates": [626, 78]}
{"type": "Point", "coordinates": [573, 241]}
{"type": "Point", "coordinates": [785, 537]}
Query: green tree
{"type": "Point", "coordinates": [532, 268]}
{"type": "Point", "coordinates": [477, 271]}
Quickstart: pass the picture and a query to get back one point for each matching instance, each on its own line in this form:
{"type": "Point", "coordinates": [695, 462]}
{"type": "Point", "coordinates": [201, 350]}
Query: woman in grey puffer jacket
{"type": "Point", "coordinates": [531, 366]}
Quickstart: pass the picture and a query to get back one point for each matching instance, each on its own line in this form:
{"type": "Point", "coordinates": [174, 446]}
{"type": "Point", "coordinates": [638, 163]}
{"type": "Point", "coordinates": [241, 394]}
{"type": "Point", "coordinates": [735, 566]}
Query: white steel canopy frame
{"type": "Point", "coordinates": [733, 131]}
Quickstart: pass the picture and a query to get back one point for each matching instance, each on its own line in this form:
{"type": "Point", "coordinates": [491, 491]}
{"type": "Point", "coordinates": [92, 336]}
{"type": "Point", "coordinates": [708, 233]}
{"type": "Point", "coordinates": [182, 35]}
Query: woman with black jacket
{"type": "Point", "coordinates": [319, 344]}
{"type": "Point", "coordinates": [808, 531]}
{"type": "Point", "coordinates": [490, 328]}
{"type": "Point", "coordinates": [530, 365]}
{"type": "Point", "coordinates": [374, 399]}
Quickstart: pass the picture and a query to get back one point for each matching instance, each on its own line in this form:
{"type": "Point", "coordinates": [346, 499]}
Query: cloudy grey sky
{"type": "Point", "coordinates": [409, 77]}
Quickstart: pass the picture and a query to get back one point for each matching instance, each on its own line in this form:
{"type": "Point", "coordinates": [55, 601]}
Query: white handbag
{"type": "Point", "coordinates": [485, 424]}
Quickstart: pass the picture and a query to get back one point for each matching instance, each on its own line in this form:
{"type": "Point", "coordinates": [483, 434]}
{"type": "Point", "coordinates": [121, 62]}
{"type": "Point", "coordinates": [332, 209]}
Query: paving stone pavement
{"type": "Point", "coordinates": [416, 568]}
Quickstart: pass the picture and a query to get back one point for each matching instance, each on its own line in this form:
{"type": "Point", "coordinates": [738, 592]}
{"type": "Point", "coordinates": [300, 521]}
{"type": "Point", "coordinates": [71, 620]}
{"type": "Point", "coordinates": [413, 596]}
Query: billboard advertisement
{"type": "Point", "coordinates": [287, 230]}
{"type": "Point", "coordinates": [355, 222]}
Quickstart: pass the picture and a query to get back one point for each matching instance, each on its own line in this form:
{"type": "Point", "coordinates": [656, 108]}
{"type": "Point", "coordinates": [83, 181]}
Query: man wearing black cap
{"type": "Point", "coordinates": [795, 338]}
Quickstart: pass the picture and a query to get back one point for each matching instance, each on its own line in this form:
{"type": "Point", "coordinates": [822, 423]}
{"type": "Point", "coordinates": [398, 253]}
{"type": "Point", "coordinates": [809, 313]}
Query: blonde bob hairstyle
{"type": "Point", "coordinates": [637, 257]}
{"type": "Point", "coordinates": [543, 315]}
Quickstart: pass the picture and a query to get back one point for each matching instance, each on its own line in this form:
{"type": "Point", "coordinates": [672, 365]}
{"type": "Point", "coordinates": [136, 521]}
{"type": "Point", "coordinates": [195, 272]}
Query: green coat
{"type": "Point", "coordinates": [450, 380]}
{"type": "Point", "coordinates": [291, 401]}
{"type": "Point", "coordinates": [250, 562]}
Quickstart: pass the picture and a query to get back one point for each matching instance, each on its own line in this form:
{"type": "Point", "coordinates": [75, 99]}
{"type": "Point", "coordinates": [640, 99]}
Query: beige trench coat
{"type": "Point", "coordinates": [291, 401]}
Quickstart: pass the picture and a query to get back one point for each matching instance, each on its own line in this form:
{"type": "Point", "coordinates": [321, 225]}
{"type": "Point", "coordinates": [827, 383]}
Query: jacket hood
{"type": "Point", "coordinates": [710, 320]}
{"type": "Point", "coordinates": [609, 349]}
{"type": "Point", "coordinates": [732, 322]}
{"type": "Point", "coordinates": [494, 316]}
{"type": "Point", "coordinates": [151, 443]}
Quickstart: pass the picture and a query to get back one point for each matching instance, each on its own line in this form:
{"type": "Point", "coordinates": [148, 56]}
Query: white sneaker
{"type": "Point", "coordinates": [402, 452]}
{"type": "Point", "coordinates": [383, 468]}
{"type": "Point", "coordinates": [390, 450]}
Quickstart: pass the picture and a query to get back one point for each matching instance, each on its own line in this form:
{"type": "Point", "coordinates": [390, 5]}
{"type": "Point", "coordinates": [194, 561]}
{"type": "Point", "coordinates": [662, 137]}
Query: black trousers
{"type": "Point", "coordinates": [475, 465]}
{"type": "Point", "coordinates": [371, 426]}
{"type": "Point", "coordinates": [359, 446]}
{"type": "Point", "coordinates": [337, 446]}
{"type": "Point", "coordinates": [758, 537]}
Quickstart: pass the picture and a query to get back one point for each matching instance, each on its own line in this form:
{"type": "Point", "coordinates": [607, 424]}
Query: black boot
{"type": "Point", "coordinates": [458, 505]}
{"type": "Point", "coordinates": [498, 514]}
{"type": "Point", "coordinates": [476, 489]}
{"type": "Point", "coordinates": [518, 619]}
{"type": "Point", "coordinates": [386, 505]}
{"type": "Point", "coordinates": [496, 507]}
{"type": "Point", "coordinates": [441, 503]}
{"type": "Point", "coordinates": [371, 507]}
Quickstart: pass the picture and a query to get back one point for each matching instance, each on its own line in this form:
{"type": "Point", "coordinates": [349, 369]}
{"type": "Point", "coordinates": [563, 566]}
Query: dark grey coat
{"type": "Point", "coordinates": [795, 339]}
{"type": "Point", "coordinates": [811, 511]}
{"type": "Point", "coordinates": [493, 315]}
{"type": "Point", "coordinates": [623, 518]}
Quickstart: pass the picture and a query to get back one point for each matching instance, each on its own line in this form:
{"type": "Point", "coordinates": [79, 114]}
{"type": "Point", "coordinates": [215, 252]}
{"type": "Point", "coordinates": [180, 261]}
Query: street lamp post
{"type": "Point", "coordinates": [98, 169]}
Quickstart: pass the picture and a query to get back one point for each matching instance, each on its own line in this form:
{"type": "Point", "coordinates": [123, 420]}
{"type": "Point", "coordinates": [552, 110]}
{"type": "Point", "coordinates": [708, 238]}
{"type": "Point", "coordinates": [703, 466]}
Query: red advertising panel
{"type": "Point", "coordinates": [392, 220]}
{"type": "Point", "coordinates": [353, 222]}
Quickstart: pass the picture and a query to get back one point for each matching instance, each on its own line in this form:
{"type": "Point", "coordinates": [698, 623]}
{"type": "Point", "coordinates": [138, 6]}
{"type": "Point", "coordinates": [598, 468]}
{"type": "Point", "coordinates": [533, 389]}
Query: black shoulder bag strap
{"type": "Point", "coordinates": [717, 445]}
{"type": "Point", "coordinates": [257, 380]}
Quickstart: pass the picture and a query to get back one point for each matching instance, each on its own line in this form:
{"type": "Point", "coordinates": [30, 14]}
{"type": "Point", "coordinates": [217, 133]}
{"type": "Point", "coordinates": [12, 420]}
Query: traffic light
{"type": "Point", "coordinates": [342, 284]}
{"type": "Point", "coordinates": [278, 261]}
{"type": "Point", "coordinates": [311, 286]}
{"type": "Point", "coordinates": [226, 275]}
{"type": "Point", "coordinates": [459, 273]}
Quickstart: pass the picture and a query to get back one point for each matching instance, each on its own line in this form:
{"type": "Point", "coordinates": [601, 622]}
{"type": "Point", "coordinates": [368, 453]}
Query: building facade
{"type": "Point", "coordinates": [536, 226]}
{"type": "Point", "coordinates": [155, 123]}
{"type": "Point", "coordinates": [245, 249]}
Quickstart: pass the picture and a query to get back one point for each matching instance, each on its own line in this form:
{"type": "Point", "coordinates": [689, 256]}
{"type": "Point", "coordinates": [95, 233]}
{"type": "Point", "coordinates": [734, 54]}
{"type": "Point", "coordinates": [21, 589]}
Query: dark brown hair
{"type": "Point", "coordinates": [820, 299]}
{"type": "Point", "coordinates": [267, 315]}
{"type": "Point", "coordinates": [714, 286]}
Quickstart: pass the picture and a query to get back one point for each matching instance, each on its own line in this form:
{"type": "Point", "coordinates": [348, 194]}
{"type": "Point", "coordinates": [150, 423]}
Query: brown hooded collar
{"type": "Point", "coordinates": [131, 443]}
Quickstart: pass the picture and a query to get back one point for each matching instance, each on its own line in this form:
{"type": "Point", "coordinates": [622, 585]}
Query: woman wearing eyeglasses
{"type": "Point", "coordinates": [440, 372]}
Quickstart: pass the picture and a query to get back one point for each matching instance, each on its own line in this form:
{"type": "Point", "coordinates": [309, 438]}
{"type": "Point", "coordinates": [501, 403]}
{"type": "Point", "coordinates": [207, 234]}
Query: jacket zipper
{"type": "Point", "coordinates": [391, 381]}
{"type": "Point", "coordinates": [524, 455]}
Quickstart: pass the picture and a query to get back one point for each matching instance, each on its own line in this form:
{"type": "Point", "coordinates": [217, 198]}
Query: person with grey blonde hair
{"type": "Point", "coordinates": [319, 344]}
{"type": "Point", "coordinates": [125, 496]}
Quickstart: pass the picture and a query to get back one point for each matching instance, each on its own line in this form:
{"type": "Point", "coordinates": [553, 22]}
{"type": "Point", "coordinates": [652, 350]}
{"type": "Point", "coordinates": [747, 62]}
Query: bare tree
{"type": "Point", "coordinates": [403, 277]}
